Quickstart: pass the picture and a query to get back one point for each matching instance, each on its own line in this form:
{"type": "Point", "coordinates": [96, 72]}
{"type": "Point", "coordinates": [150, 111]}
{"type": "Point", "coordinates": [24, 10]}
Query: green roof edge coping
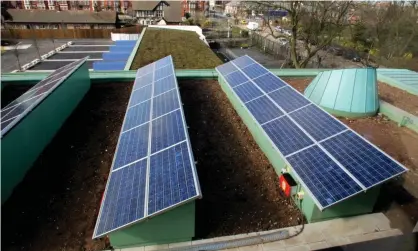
{"type": "Point", "coordinates": [133, 53]}
{"type": "Point", "coordinates": [130, 75]}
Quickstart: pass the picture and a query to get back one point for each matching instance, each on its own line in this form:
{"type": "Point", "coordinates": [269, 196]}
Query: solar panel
{"type": "Point", "coordinates": [269, 82]}
{"type": "Point", "coordinates": [287, 137]}
{"type": "Point", "coordinates": [317, 122]}
{"type": "Point", "coordinates": [331, 161]}
{"type": "Point", "coordinates": [16, 110]}
{"type": "Point", "coordinates": [369, 165]}
{"type": "Point", "coordinates": [236, 78]}
{"type": "Point", "coordinates": [140, 95]}
{"type": "Point", "coordinates": [326, 180]}
{"type": "Point", "coordinates": [165, 103]}
{"type": "Point", "coordinates": [263, 109]}
{"type": "Point", "coordinates": [164, 84]}
{"type": "Point", "coordinates": [153, 168]}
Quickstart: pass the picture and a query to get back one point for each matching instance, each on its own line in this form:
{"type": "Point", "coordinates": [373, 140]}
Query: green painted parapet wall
{"type": "Point", "coordinates": [120, 76]}
{"type": "Point", "coordinates": [176, 225]}
{"type": "Point", "coordinates": [133, 53]}
{"type": "Point", "coordinates": [21, 145]}
{"type": "Point", "coordinates": [400, 116]}
{"type": "Point", "coordinates": [360, 204]}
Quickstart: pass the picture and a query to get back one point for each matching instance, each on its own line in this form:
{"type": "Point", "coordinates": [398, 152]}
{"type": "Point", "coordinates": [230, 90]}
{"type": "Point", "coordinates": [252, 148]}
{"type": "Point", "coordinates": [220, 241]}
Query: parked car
{"type": "Point", "coordinates": [352, 55]}
{"type": "Point", "coordinates": [287, 32]}
{"type": "Point", "coordinates": [282, 41]}
{"type": "Point", "coordinates": [252, 26]}
{"type": "Point", "coordinates": [335, 50]}
{"type": "Point", "coordinates": [7, 42]}
{"type": "Point", "coordinates": [278, 29]}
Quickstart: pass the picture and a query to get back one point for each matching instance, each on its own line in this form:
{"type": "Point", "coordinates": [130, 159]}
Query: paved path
{"type": "Point", "coordinates": [315, 236]}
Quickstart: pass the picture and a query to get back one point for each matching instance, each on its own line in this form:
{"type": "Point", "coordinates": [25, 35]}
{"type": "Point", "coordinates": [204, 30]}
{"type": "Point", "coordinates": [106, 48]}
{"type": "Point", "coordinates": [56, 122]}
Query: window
{"type": "Point", "coordinates": [160, 13]}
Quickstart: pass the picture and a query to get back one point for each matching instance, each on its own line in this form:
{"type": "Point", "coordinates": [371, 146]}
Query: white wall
{"type": "Point", "coordinates": [124, 36]}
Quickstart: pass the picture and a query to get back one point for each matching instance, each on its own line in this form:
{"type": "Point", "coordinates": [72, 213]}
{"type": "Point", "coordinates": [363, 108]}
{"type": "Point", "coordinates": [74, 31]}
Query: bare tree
{"type": "Point", "coordinates": [52, 37]}
{"type": "Point", "coordinates": [391, 30]}
{"type": "Point", "coordinates": [16, 52]}
{"type": "Point", "coordinates": [314, 25]}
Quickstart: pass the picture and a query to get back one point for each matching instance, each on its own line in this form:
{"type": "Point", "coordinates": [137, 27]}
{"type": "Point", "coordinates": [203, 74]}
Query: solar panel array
{"type": "Point", "coordinates": [153, 168]}
{"type": "Point", "coordinates": [331, 161]}
{"type": "Point", "coordinates": [16, 110]}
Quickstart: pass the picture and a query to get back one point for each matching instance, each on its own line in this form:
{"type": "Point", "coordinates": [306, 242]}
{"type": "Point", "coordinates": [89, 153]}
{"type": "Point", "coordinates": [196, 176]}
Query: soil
{"type": "Point", "coordinates": [56, 205]}
{"type": "Point", "coordinates": [398, 198]}
{"type": "Point", "coordinates": [12, 92]}
{"type": "Point", "coordinates": [240, 188]}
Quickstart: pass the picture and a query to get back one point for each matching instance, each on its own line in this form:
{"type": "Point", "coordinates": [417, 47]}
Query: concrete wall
{"type": "Point", "coordinates": [21, 146]}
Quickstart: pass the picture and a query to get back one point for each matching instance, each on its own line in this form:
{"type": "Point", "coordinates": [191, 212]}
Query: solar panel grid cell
{"type": "Point", "coordinates": [140, 95]}
{"type": "Point", "coordinates": [145, 70]}
{"type": "Point", "coordinates": [324, 178]}
{"type": "Point", "coordinates": [286, 136]}
{"type": "Point", "coordinates": [247, 92]}
{"type": "Point", "coordinates": [163, 72]}
{"type": "Point", "coordinates": [263, 109]}
{"type": "Point", "coordinates": [288, 99]}
{"type": "Point", "coordinates": [143, 81]}
{"type": "Point", "coordinates": [166, 131]}
{"type": "Point", "coordinates": [171, 178]}
{"type": "Point", "coordinates": [268, 82]}
{"type": "Point", "coordinates": [164, 84]}
{"type": "Point", "coordinates": [243, 61]}
{"type": "Point", "coordinates": [121, 210]}
{"type": "Point", "coordinates": [236, 78]}
{"type": "Point", "coordinates": [316, 122]}
{"type": "Point", "coordinates": [163, 62]}
{"type": "Point", "coordinates": [133, 145]}
{"type": "Point", "coordinates": [227, 68]}
{"type": "Point", "coordinates": [137, 115]}
{"type": "Point", "coordinates": [366, 163]}
{"type": "Point", "coordinates": [165, 103]}
{"type": "Point", "coordinates": [254, 71]}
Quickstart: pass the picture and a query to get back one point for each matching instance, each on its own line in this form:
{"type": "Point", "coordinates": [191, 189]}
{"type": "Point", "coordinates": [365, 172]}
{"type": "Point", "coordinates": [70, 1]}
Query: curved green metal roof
{"type": "Point", "coordinates": [346, 92]}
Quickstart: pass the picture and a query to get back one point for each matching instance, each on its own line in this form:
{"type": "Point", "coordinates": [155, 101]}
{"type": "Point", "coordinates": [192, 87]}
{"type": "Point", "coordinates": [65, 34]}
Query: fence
{"type": "Point", "coordinates": [66, 33]}
{"type": "Point", "coordinates": [269, 46]}
{"type": "Point", "coordinates": [282, 52]}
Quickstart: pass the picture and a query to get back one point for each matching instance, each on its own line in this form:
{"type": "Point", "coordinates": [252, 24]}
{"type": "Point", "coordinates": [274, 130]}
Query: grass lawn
{"type": "Point", "coordinates": [187, 50]}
